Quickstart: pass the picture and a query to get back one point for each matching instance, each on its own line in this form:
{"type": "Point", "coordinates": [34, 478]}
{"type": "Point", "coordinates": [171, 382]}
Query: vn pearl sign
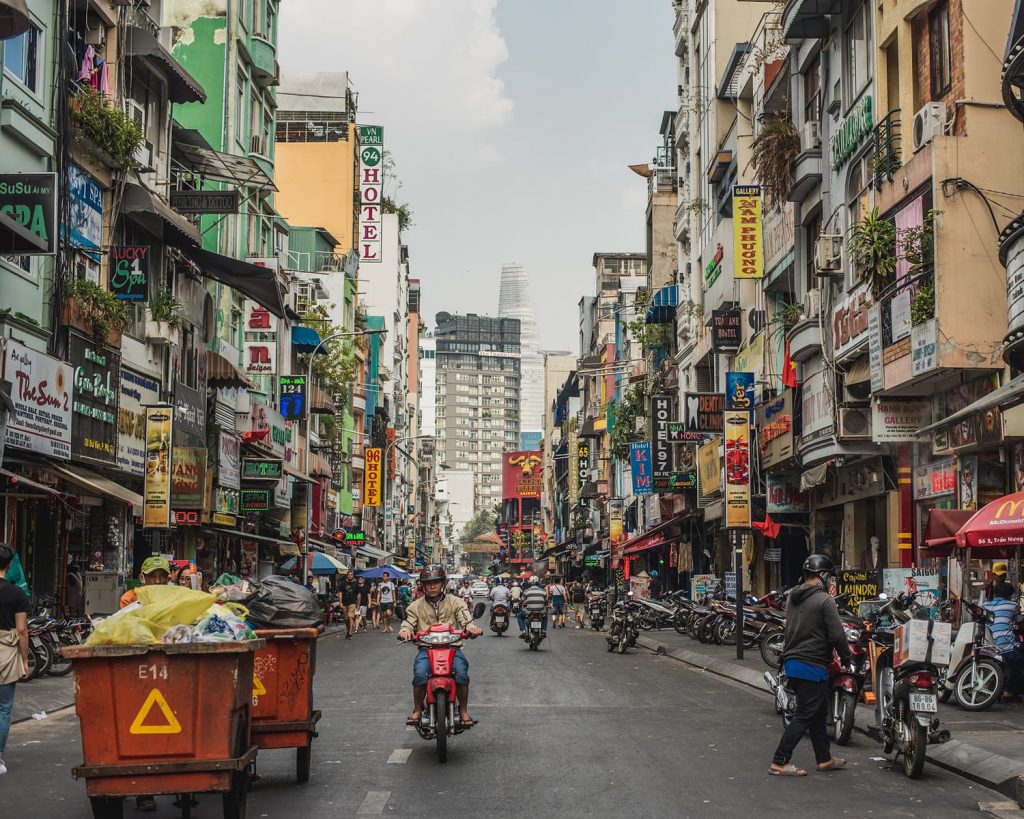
{"type": "Point", "coordinates": [371, 192]}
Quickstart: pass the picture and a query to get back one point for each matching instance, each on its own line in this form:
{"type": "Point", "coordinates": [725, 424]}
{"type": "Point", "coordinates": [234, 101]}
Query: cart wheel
{"type": "Point", "coordinates": [107, 807]}
{"type": "Point", "coordinates": [235, 799]}
{"type": "Point", "coordinates": [302, 757]}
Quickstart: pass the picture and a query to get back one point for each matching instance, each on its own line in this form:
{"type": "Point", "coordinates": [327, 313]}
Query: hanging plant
{"type": "Point", "coordinates": [922, 308]}
{"type": "Point", "coordinates": [99, 308]}
{"type": "Point", "coordinates": [107, 128]}
{"type": "Point", "coordinates": [873, 249]}
{"type": "Point", "coordinates": [166, 309]}
{"type": "Point", "coordinates": [772, 154]}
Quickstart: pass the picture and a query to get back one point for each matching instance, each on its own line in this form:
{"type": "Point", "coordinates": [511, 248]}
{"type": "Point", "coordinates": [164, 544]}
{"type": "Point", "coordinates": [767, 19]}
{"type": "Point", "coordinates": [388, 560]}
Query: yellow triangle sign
{"type": "Point", "coordinates": [171, 726]}
{"type": "Point", "coordinates": [257, 687]}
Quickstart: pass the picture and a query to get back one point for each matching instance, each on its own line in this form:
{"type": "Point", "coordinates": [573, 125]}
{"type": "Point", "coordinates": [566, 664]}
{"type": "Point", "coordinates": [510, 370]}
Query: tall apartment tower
{"type": "Point", "coordinates": [515, 302]}
{"type": "Point", "coordinates": [478, 405]}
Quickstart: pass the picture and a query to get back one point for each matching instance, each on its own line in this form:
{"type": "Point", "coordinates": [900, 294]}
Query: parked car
{"type": "Point", "coordinates": [480, 589]}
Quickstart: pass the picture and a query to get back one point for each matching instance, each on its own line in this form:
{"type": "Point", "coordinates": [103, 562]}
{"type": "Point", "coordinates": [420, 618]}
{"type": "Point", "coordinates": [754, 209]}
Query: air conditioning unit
{"type": "Point", "coordinates": [812, 303]}
{"type": "Point", "coordinates": [810, 136]}
{"type": "Point", "coordinates": [257, 145]}
{"type": "Point", "coordinates": [136, 112]}
{"type": "Point", "coordinates": [929, 122]}
{"type": "Point", "coordinates": [828, 254]}
{"type": "Point", "coordinates": [858, 392]}
{"type": "Point", "coordinates": [854, 424]}
{"type": "Point", "coordinates": [303, 297]}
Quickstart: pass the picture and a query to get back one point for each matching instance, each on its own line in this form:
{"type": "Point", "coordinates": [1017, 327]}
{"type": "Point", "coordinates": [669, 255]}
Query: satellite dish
{"type": "Point", "coordinates": [755, 318]}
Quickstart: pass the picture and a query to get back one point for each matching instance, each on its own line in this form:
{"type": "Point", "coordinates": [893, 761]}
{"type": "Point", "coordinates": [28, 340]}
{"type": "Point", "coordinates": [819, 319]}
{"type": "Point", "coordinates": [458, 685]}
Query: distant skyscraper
{"type": "Point", "coordinates": [515, 301]}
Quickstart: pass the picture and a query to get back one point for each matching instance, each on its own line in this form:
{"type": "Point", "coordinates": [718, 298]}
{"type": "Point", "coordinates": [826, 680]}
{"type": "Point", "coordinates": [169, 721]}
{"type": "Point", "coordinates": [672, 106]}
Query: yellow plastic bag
{"type": "Point", "coordinates": [127, 629]}
{"type": "Point", "coordinates": [166, 606]}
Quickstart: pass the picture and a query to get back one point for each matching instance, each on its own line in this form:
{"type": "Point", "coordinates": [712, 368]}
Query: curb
{"type": "Point", "coordinates": [1000, 773]}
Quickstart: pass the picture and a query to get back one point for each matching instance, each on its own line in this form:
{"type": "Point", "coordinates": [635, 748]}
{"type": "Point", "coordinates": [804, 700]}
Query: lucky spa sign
{"type": "Point", "coordinates": [41, 388]}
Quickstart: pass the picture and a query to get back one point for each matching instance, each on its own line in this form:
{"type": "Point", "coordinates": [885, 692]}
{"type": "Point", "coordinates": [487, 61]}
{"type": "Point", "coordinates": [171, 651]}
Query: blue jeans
{"type": "Point", "coordinates": [421, 668]}
{"type": "Point", "coordinates": [521, 617]}
{"type": "Point", "coordinates": [6, 701]}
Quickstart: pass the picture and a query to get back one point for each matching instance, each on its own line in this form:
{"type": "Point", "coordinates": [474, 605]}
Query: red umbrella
{"type": "Point", "coordinates": [998, 525]}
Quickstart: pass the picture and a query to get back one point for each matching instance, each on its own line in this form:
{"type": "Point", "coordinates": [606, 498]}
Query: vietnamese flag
{"type": "Point", "coordinates": [788, 370]}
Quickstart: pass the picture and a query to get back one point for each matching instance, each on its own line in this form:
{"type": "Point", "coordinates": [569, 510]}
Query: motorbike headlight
{"type": "Point", "coordinates": [852, 634]}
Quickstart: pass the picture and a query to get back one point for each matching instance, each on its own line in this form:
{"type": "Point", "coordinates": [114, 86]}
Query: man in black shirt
{"type": "Point", "coordinates": [364, 599]}
{"type": "Point", "coordinates": [350, 597]}
{"type": "Point", "coordinates": [14, 609]}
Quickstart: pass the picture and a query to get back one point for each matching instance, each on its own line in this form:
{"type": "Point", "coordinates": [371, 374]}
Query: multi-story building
{"type": "Point", "coordinates": [478, 403]}
{"type": "Point", "coordinates": [515, 301]}
{"type": "Point", "coordinates": [428, 383]}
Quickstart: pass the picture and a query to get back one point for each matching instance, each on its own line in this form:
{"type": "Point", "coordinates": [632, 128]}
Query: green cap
{"type": "Point", "coordinates": [155, 563]}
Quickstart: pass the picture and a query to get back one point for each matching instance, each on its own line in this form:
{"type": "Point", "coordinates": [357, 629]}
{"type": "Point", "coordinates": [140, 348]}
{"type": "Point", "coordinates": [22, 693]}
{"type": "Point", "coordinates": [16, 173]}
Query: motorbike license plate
{"type": "Point", "coordinates": [499, 621]}
{"type": "Point", "coordinates": [923, 702]}
{"type": "Point", "coordinates": [535, 625]}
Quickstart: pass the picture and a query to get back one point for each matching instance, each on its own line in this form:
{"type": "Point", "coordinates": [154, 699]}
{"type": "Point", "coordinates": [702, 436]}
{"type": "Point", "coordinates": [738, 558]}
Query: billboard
{"type": "Point", "coordinates": [522, 474]}
{"type": "Point", "coordinates": [157, 489]}
{"type": "Point", "coordinates": [737, 469]}
{"type": "Point", "coordinates": [371, 192]}
{"type": "Point", "coordinates": [748, 247]}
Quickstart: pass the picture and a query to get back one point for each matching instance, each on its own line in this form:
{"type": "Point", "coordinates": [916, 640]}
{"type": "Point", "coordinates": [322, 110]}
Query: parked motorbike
{"type": "Point", "coordinates": [975, 673]}
{"type": "Point", "coordinates": [653, 614]}
{"type": "Point", "coordinates": [499, 619]}
{"type": "Point", "coordinates": [535, 632]}
{"type": "Point", "coordinates": [624, 629]}
{"type": "Point", "coordinates": [597, 606]}
{"type": "Point", "coordinates": [440, 718]}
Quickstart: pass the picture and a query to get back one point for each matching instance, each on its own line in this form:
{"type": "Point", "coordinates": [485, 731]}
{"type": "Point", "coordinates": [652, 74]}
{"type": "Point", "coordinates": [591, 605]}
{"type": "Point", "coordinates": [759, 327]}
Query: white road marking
{"type": "Point", "coordinates": [399, 756]}
{"type": "Point", "coordinates": [373, 804]}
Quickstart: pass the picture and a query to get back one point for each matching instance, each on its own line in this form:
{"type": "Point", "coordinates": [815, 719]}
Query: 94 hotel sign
{"type": "Point", "coordinates": [371, 192]}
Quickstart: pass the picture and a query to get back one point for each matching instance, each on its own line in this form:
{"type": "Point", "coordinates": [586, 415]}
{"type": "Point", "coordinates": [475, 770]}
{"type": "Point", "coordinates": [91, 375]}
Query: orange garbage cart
{"type": "Point", "coordinates": [282, 693]}
{"type": "Point", "coordinates": [165, 719]}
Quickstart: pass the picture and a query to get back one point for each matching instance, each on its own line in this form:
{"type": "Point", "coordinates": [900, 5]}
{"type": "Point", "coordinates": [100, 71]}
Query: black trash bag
{"type": "Point", "coordinates": [260, 603]}
{"type": "Point", "coordinates": [290, 605]}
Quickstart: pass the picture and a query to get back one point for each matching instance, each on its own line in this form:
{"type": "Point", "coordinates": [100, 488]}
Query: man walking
{"type": "Point", "coordinates": [578, 598]}
{"type": "Point", "coordinates": [556, 594]}
{"type": "Point", "coordinates": [387, 601]}
{"type": "Point", "coordinates": [813, 631]}
{"type": "Point", "coordinates": [14, 608]}
{"type": "Point", "coordinates": [350, 597]}
{"type": "Point", "coordinates": [364, 601]}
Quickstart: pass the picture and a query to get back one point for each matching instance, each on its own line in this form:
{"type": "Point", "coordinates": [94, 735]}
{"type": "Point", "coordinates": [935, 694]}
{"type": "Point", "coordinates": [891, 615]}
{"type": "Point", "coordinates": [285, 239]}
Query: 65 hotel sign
{"type": "Point", "coordinates": [371, 192]}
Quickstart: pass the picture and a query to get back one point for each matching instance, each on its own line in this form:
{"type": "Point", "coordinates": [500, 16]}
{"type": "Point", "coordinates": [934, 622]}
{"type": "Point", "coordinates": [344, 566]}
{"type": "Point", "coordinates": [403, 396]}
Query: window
{"type": "Point", "coordinates": [938, 49]}
{"type": "Point", "coordinates": [21, 58]}
{"type": "Point", "coordinates": [240, 108]}
{"type": "Point", "coordinates": [812, 91]}
{"type": "Point", "coordinates": [858, 185]}
{"type": "Point", "coordinates": [856, 54]}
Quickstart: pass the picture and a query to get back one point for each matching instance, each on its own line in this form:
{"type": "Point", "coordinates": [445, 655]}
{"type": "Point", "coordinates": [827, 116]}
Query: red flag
{"type": "Point", "coordinates": [788, 370]}
{"type": "Point", "coordinates": [768, 527]}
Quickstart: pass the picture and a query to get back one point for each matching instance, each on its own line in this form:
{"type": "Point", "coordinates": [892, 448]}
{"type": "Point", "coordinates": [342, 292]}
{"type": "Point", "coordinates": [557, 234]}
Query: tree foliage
{"type": "Point", "coordinates": [481, 523]}
{"type": "Point", "coordinates": [335, 370]}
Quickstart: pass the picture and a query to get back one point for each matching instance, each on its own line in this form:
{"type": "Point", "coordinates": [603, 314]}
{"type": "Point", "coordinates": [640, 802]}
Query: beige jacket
{"type": "Point", "coordinates": [11, 668]}
{"type": "Point", "coordinates": [420, 615]}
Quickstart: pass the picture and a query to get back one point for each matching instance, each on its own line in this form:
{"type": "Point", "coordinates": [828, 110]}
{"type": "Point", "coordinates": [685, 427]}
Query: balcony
{"type": "Point", "coordinates": [681, 27]}
{"type": "Point", "coordinates": [265, 70]}
{"type": "Point", "coordinates": [805, 339]}
{"type": "Point", "coordinates": [359, 401]}
{"type": "Point", "coordinates": [807, 19]}
{"type": "Point", "coordinates": [806, 174]}
{"type": "Point", "coordinates": [888, 138]}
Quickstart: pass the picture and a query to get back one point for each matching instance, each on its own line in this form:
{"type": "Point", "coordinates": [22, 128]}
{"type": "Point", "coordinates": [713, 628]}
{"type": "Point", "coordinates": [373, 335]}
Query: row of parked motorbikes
{"type": "Point", "coordinates": [46, 635]}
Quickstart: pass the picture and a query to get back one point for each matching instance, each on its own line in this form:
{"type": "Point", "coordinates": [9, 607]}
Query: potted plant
{"type": "Point", "coordinates": [772, 154]}
{"type": "Point", "coordinates": [103, 131]}
{"type": "Point", "coordinates": [163, 317]}
{"type": "Point", "coordinates": [96, 310]}
{"type": "Point", "coordinates": [873, 250]}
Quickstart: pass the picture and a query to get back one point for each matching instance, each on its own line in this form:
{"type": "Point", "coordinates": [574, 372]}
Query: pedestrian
{"type": "Point", "coordinates": [75, 593]}
{"type": "Point", "coordinates": [387, 601]}
{"type": "Point", "coordinates": [374, 604]}
{"type": "Point", "coordinates": [364, 600]}
{"type": "Point", "coordinates": [578, 598]}
{"type": "Point", "coordinates": [350, 597]}
{"type": "Point", "coordinates": [557, 595]}
{"type": "Point", "coordinates": [311, 583]}
{"type": "Point", "coordinates": [14, 608]}
{"type": "Point", "coordinates": [654, 586]}
{"type": "Point", "coordinates": [813, 632]}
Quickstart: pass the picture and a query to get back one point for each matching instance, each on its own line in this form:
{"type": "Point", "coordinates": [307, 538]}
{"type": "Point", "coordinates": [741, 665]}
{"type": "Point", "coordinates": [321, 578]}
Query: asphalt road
{"type": "Point", "coordinates": [569, 731]}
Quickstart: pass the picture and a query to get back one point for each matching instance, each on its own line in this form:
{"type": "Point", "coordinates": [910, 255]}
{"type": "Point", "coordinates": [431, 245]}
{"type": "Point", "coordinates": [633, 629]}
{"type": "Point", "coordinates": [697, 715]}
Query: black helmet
{"type": "Point", "coordinates": [434, 571]}
{"type": "Point", "coordinates": [815, 564]}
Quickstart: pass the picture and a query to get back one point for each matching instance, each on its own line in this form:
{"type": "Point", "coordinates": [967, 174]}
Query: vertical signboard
{"type": "Point", "coordinates": [157, 492]}
{"type": "Point", "coordinates": [661, 449]}
{"type": "Point", "coordinates": [31, 200]}
{"type": "Point", "coordinates": [737, 469]}
{"type": "Point", "coordinates": [640, 466]}
{"type": "Point", "coordinates": [41, 388]}
{"type": "Point", "coordinates": [137, 392]}
{"type": "Point", "coordinates": [574, 467]}
{"type": "Point", "coordinates": [746, 225]}
{"type": "Point", "coordinates": [292, 397]}
{"type": "Point", "coordinates": [615, 536]}
{"type": "Point", "coordinates": [94, 421]}
{"type": "Point", "coordinates": [371, 192]}
{"type": "Point", "coordinates": [372, 476]}
{"type": "Point", "coordinates": [582, 462]}
{"type": "Point", "coordinates": [739, 392]}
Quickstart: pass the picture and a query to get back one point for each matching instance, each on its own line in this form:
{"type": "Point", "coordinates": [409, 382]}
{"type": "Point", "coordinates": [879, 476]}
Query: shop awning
{"type": "Point", "coordinates": [21, 480]}
{"type": "Point", "coordinates": [181, 86]}
{"type": "Point", "coordinates": [159, 218]}
{"type": "Point", "coordinates": [306, 340]}
{"type": "Point", "coordinates": [1006, 394]}
{"type": "Point", "coordinates": [940, 531]}
{"type": "Point", "coordinates": [257, 283]}
{"type": "Point", "coordinates": [662, 309]}
{"type": "Point", "coordinates": [373, 552]}
{"type": "Point", "coordinates": [88, 479]}
{"type": "Point", "coordinates": [286, 546]}
{"type": "Point", "coordinates": [217, 166]}
{"type": "Point", "coordinates": [14, 18]}
{"type": "Point", "coordinates": [652, 538]}
{"type": "Point", "coordinates": [299, 476]}
{"type": "Point", "coordinates": [222, 373]}
{"type": "Point", "coordinates": [14, 237]}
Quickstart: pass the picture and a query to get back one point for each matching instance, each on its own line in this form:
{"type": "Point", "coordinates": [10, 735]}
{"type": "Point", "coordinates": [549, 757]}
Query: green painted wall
{"type": "Point", "coordinates": [201, 49]}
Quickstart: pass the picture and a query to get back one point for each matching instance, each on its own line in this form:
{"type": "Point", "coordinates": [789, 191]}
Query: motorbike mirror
{"type": "Point", "coordinates": [478, 610]}
{"type": "Point", "coordinates": [883, 596]}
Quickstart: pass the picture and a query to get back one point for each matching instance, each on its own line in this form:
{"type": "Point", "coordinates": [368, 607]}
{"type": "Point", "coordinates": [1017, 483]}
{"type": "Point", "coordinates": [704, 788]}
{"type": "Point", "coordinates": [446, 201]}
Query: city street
{"type": "Point", "coordinates": [570, 731]}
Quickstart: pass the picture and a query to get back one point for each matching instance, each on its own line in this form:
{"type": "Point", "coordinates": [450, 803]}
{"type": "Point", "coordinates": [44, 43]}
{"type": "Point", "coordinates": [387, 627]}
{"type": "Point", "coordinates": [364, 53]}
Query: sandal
{"type": "Point", "coordinates": [414, 721]}
{"type": "Point", "coordinates": [834, 764]}
{"type": "Point", "coordinates": [468, 723]}
{"type": "Point", "coordinates": [788, 770]}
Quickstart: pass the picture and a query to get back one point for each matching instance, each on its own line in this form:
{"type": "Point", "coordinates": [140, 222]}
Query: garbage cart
{"type": "Point", "coordinates": [165, 719]}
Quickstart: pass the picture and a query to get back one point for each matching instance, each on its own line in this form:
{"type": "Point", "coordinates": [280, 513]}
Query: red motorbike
{"type": "Point", "coordinates": [440, 718]}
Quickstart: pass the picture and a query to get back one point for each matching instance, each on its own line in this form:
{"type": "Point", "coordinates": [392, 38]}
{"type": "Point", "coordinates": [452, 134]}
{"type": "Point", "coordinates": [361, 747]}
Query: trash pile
{"type": "Point", "coordinates": [232, 609]}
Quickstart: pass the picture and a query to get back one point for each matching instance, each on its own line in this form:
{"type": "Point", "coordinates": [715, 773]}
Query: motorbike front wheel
{"type": "Point", "coordinates": [726, 633]}
{"type": "Point", "coordinates": [441, 723]}
{"type": "Point", "coordinates": [623, 641]}
{"type": "Point", "coordinates": [844, 704]}
{"type": "Point", "coordinates": [914, 752]}
{"type": "Point", "coordinates": [979, 684]}
{"type": "Point", "coordinates": [771, 648]}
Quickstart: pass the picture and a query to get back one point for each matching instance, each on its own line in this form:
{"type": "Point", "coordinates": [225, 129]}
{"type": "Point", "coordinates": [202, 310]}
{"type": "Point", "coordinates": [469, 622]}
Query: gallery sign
{"type": "Point", "coordinates": [137, 392]}
{"type": "Point", "coordinates": [94, 420]}
{"type": "Point", "coordinates": [41, 389]}
{"type": "Point", "coordinates": [896, 420]}
{"type": "Point", "coordinates": [747, 231]}
{"type": "Point", "coordinates": [371, 192]}
{"type": "Point", "coordinates": [31, 200]}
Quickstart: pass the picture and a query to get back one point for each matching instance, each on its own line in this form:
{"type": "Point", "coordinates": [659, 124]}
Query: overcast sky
{"type": "Point", "coordinates": [511, 123]}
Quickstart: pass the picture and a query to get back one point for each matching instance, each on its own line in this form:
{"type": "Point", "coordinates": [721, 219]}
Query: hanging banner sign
{"type": "Point", "coordinates": [260, 357]}
{"type": "Point", "coordinates": [41, 388]}
{"type": "Point", "coordinates": [747, 231]}
{"type": "Point", "coordinates": [726, 330]}
{"type": "Point", "coordinates": [188, 477]}
{"type": "Point", "coordinates": [661, 449]}
{"type": "Point", "coordinates": [583, 461]}
{"type": "Point", "coordinates": [737, 470]}
{"type": "Point", "coordinates": [702, 412]}
{"type": "Point", "coordinates": [157, 488]}
{"type": "Point", "coordinates": [254, 500]}
{"type": "Point", "coordinates": [684, 475]}
{"type": "Point", "coordinates": [709, 468]}
{"type": "Point", "coordinates": [137, 392]}
{"type": "Point", "coordinates": [261, 469]}
{"type": "Point", "coordinates": [371, 192]}
{"type": "Point", "coordinates": [640, 466]}
{"type": "Point", "coordinates": [31, 200]}
{"type": "Point", "coordinates": [129, 272]}
{"type": "Point", "coordinates": [228, 461]}
{"type": "Point", "coordinates": [574, 466]}
{"type": "Point", "coordinates": [94, 421]}
{"type": "Point", "coordinates": [292, 397]}
{"type": "Point", "coordinates": [373, 475]}
{"type": "Point", "coordinates": [739, 391]}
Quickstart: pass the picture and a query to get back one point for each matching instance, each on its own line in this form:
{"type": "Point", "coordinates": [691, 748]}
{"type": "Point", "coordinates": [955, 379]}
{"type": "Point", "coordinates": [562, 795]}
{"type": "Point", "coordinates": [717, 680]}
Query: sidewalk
{"type": "Point", "coordinates": [986, 747]}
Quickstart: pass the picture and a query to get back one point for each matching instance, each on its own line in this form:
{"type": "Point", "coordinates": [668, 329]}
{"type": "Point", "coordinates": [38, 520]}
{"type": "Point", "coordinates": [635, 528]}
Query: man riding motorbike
{"type": "Point", "coordinates": [534, 599]}
{"type": "Point", "coordinates": [499, 596]}
{"type": "Point", "coordinates": [435, 606]}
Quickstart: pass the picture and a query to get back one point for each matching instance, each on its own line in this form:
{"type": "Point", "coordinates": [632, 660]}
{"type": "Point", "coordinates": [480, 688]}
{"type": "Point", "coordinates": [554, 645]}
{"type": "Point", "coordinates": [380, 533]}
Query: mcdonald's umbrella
{"type": "Point", "coordinates": [997, 526]}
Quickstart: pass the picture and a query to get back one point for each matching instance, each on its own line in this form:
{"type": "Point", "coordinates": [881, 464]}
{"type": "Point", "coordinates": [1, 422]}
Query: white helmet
{"type": "Point", "coordinates": [533, 581]}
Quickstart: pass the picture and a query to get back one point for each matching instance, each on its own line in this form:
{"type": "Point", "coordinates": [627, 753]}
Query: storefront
{"type": "Point", "coordinates": [850, 514]}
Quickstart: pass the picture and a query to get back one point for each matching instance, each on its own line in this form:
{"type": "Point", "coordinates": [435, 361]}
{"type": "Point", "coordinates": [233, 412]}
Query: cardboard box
{"type": "Point", "coordinates": [916, 637]}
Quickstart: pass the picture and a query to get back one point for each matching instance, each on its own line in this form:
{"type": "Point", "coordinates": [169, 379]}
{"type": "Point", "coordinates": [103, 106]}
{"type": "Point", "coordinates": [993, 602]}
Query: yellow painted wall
{"type": "Point", "coordinates": [317, 186]}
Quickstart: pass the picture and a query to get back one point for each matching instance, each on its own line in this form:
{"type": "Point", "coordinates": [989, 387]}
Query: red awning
{"type": "Point", "coordinates": [650, 539]}
{"type": "Point", "coordinates": [940, 531]}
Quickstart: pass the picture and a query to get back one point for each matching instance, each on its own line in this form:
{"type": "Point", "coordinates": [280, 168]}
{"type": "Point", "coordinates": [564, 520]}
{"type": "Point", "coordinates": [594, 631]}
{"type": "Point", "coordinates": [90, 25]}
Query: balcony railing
{"type": "Point", "coordinates": [888, 142]}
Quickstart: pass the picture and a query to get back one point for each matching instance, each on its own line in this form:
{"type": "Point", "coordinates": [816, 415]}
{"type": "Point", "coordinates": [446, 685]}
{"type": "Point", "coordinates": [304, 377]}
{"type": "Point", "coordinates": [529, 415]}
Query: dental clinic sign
{"type": "Point", "coordinates": [371, 192]}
